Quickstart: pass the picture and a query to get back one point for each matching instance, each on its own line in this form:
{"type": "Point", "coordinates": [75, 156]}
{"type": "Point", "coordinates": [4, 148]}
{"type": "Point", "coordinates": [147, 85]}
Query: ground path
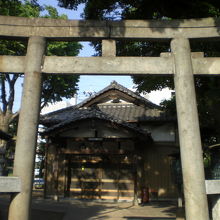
{"type": "Point", "coordinates": [67, 209]}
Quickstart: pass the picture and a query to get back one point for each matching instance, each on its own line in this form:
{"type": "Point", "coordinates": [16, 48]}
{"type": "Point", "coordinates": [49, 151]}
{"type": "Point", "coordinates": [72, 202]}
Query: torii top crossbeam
{"type": "Point", "coordinates": [93, 30]}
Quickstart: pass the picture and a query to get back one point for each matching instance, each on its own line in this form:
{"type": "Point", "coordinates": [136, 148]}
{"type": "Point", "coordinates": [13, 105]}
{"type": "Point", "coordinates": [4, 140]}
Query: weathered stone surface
{"type": "Point", "coordinates": [212, 186]}
{"type": "Point", "coordinates": [7, 61]}
{"type": "Point", "coordinates": [216, 207]}
{"type": "Point", "coordinates": [27, 129]}
{"type": "Point", "coordinates": [10, 184]}
{"type": "Point", "coordinates": [111, 65]}
{"type": "Point", "coordinates": [108, 65]}
{"type": "Point", "coordinates": [91, 30]}
{"type": "Point", "coordinates": [108, 48]}
{"type": "Point", "coordinates": [189, 133]}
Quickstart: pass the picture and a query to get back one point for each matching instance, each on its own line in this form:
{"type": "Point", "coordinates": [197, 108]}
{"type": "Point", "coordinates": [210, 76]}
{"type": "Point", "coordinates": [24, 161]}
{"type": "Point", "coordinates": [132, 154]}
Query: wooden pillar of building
{"type": "Point", "coordinates": [27, 129]}
{"type": "Point", "coordinates": [51, 177]}
{"type": "Point", "coordinates": [61, 174]}
{"type": "Point", "coordinates": [189, 133]}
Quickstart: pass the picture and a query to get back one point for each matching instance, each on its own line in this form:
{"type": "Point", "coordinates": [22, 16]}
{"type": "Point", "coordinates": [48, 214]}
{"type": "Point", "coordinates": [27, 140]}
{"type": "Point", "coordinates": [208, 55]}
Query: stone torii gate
{"type": "Point", "coordinates": [180, 63]}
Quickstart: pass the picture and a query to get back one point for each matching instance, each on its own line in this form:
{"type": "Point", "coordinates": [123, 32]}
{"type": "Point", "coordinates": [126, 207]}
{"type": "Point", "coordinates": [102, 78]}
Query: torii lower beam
{"type": "Point", "coordinates": [111, 65]}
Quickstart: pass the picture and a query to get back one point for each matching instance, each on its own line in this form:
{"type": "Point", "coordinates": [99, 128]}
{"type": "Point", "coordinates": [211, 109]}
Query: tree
{"type": "Point", "coordinates": [144, 9]}
{"type": "Point", "coordinates": [207, 88]}
{"type": "Point", "coordinates": [51, 91]}
{"type": "Point", "coordinates": [54, 87]}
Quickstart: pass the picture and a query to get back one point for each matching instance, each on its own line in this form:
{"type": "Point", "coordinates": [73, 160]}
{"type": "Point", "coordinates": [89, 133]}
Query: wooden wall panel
{"type": "Point", "coordinates": [50, 168]}
{"type": "Point", "coordinates": [157, 171]}
{"type": "Point", "coordinates": [102, 180]}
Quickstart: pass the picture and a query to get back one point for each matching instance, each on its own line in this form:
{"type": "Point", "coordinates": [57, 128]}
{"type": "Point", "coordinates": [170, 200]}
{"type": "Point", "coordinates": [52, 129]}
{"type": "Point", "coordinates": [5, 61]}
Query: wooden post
{"type": "Point", "coordinates": [189, 132]}
{"type": "Point", "coordinates": [27, 129]}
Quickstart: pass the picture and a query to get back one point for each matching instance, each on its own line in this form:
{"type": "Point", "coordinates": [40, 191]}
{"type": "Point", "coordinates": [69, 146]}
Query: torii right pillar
{"type": "Point", "coordinates": [196, 205]}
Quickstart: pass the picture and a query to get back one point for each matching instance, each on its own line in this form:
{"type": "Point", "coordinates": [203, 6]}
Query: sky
{"type": "Point", "coordinates": [95, 83]}
{"type": "Point", "coordinates": [88, 83]}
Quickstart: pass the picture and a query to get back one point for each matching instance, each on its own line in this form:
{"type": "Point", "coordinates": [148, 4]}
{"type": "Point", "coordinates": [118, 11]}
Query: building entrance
{"type": "Point", "coordinates": [101, 177]}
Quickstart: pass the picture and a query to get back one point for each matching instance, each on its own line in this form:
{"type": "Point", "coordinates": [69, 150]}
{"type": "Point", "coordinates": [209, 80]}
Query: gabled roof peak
{"type": "Point", "coordinates": [116, 86]}
{"type": "Point", "coordinates": [114, 82]}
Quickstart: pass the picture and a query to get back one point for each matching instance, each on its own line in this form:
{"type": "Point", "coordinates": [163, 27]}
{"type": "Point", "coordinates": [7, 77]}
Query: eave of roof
{"type": "Point", "coordinates": [93, 113]}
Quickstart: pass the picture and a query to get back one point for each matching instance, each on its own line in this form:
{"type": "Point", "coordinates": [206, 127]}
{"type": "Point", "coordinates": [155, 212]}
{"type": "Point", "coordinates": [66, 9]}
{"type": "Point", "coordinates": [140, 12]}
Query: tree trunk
{"type": "Point", "coordinates": [5, 120]}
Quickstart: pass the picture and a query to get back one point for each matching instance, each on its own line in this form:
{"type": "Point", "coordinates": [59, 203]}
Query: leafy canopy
{"type": "Point", "coordinates": [144, 9]}
{"type": "Point", "coordinates": [55, 88]}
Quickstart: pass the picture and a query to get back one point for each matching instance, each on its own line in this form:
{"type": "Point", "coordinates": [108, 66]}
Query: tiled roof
{"type": "Point", "coordinates": [120, 113]}
{"type": "Point", "coordinates": [124, 112]}
{"type": "Point", "coordinates": [134, 113]}
{"type": "Point", "coordinates": [69, 112]}
{"type": "Point", "coordinates": [59, 115]}
{"type": "Point", "coordinates": [93, 113]}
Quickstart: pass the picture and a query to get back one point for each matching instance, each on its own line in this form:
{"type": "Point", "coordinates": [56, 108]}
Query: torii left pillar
{"type": "Point", "coordinates": [27, 129]}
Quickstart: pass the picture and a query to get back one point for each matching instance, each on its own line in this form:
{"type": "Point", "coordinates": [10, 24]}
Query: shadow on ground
{"type": "Point", "coordinates": [68, 209]}
{"type": "Point", "coordinates": [167, 207]}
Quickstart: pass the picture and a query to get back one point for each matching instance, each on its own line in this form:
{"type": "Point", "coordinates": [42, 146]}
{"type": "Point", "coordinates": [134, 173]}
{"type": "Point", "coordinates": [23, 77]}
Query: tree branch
{"type": "Point", "coordinates": [42, 105]}
{"type": "Point", "coordinates": [3, 95]}
{"type": "Point", "coordinates": [11, 83]}
{"type": "Point", "coordinates": [15, 115]}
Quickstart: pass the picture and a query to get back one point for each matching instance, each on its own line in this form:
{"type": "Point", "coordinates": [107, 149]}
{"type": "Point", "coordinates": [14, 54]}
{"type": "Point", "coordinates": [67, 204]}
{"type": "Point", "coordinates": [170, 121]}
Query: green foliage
{"type": "Point", "coordinates": [55, 88]}
{"type": "Point", "coordinates": [15, 48]}
{"type": "Point", "coordinates": [60, 48]}
{"type": "Point", "coordinates": [208, 99]}
{"type": "Point", "coordinates": [70, 4]}
{"type": "Point", "coordinates": [169, 105]}
{"type": "Point", "coordinates": [145, 9]}
{"type": "Point", "coordinates": [53, 13]}
{"type": "Point", "coordinates": [17, 8]}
